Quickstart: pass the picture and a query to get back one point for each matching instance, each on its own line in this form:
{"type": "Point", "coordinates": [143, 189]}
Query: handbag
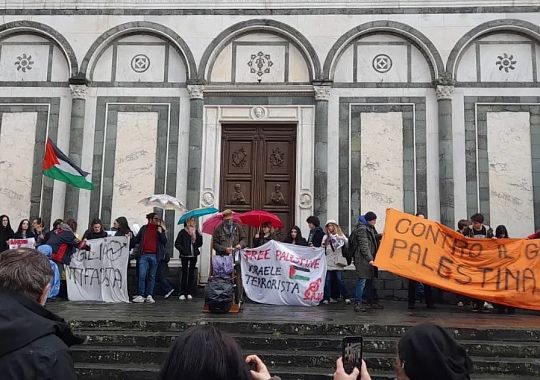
{"type": "Point", "coordinates": [341, 261]}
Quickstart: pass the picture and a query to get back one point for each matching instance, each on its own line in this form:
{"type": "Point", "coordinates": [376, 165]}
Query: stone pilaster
{"type": "Point", "coordinates": [443, 90]}
{"type": "Point", "coordinates": [76, 130]}
{"type": "Point", "coordinates": [196, 96]}
{"type": "Point", "coordinates": [320, 188]}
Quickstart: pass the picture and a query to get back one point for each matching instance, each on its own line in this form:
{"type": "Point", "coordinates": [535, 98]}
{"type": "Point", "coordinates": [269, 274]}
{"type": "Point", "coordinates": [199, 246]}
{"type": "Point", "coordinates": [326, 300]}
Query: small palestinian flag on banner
{"type": "Point", "coordinates": [294, 275]}
{"type": "Point", "coordinates": [57, 165]}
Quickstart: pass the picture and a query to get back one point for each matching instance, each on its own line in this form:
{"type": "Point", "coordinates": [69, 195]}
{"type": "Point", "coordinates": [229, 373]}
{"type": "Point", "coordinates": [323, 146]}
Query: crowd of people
{"type": "Point", "coordinates": [151, 254]}
{"type": "Point", "coordinates": [35, 342]}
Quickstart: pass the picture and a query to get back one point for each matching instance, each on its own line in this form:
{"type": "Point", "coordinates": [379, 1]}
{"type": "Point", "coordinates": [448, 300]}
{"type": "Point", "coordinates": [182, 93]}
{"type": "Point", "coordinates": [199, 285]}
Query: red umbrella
{"type": "Point", "coordinates": [215, 220]}
{"type": "Point", "coordinates": [256, 218]}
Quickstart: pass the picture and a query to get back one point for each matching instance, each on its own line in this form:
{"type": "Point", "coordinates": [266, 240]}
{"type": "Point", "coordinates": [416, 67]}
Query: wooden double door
{"type": "Point", "coordinates": [258, 165]}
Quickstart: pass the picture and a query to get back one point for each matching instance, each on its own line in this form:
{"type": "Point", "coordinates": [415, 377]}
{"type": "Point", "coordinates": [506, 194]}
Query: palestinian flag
{"type": "Point", "coordinates": [294, 275]}
{"type": "Point", "coordinates": [57, 165]}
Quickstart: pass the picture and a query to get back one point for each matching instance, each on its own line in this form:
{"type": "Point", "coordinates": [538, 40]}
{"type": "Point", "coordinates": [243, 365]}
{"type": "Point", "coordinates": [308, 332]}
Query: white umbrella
{"type": "Point", "coordinates": [163, 201]}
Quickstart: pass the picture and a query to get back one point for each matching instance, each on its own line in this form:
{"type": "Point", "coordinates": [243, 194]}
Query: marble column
{"type": "Point", "coordinates": [196, 95]}
{"type": "Point", "coordinates": [76, 129]}
{"type": "Point", "coordinates": [320, 188]}
{"type": "Point", "coordinates": [446, 151]}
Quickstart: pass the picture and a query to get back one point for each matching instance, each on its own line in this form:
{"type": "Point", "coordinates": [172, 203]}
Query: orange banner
{"type": "Point", "coordinates": [502, 271]}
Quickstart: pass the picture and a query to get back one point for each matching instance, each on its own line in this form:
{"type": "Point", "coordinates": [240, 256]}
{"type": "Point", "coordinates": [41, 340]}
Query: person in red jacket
{"type": "Point", "coordinates": [536, 235]}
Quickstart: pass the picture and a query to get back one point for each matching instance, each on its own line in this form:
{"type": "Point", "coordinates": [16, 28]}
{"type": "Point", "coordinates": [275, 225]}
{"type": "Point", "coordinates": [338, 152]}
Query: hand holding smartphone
{"type": "Point", "coordinates": [352, 352]}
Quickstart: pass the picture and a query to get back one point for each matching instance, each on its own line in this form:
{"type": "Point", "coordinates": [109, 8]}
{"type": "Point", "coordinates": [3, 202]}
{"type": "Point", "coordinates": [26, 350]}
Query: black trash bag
{"type": "Point", "coordinates": [219, 294]}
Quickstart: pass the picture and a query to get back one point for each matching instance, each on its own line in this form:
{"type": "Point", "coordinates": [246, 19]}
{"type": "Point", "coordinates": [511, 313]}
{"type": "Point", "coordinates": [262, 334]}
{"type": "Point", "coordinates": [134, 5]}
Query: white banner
{"type": "Point", "coordinates": [284, 274]}
{"type": "Point", "coordinates": [21, 243]}
{"type": "Point", "coordinates": [99, 274]}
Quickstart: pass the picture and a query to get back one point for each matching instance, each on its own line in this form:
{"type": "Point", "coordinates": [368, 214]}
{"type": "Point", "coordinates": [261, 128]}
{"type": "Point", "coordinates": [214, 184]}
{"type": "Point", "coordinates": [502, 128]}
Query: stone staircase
{"type": "Point", "coordinates": [133, 350]}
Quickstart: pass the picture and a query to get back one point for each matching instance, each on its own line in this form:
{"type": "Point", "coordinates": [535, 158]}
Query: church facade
{"type": "Point", "coordinates": [330, 110]}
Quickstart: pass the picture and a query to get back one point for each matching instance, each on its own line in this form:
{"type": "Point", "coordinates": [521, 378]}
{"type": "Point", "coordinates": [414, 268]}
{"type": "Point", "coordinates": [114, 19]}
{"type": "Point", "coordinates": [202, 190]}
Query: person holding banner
{"type": "Point", "coordinates": [6, 232]}
{"type": "Point", "coordinates": [96, 231]}
{"type": "Point", "coordinates": [333, 243]}
{"type": "Point", "coordinates": [295, 237]}
{"type": "Point", "coordinates": [267, 235]}
{"type": "Point", "coordinates": [24, 231]}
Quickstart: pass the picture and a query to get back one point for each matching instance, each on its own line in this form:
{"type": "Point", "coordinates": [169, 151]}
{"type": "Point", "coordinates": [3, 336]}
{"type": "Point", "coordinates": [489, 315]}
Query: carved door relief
{"type": "Point", "coordinates": [258, 165]}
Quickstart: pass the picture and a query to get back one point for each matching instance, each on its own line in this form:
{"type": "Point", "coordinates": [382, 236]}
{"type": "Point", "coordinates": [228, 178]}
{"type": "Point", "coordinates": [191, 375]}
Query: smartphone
{"type": "Point", "coordinates": [351, 352]}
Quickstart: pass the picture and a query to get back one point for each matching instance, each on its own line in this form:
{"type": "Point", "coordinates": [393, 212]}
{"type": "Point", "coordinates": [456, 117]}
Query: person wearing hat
{"type": "Point", "coordinates": [364, 243]}
{"type": "Point", "coordinates": [333, 242]}
{"type": "Point", "coordinates": [425, 352]}
{"type": "Point", "coordinates": [228, 237]}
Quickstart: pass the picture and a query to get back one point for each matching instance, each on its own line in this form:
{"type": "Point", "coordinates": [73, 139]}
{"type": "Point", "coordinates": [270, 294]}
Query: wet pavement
{"type": "Point", "coordinates": [394, 313]}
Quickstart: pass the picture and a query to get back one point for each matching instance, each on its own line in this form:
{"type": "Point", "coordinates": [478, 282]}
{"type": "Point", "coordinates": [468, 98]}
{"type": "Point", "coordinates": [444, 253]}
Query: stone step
{"type": "Point", "coordinates": [300, 359]}
{"type": "Point", "coordinates": [294, 342]}
{"type": "Point", "coordinates": [233, 326]}
{"type": "Point", "coordinates": [103, 371]}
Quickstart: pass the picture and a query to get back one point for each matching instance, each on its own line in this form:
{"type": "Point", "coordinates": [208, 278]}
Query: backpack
{"type": "Point", "coordinates": [353, 245]}
{"type": "Point", "coordinates": [219, 294]}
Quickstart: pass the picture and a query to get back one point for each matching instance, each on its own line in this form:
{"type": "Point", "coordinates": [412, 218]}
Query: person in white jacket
{"type": "Point", "coordinates": [333, 242]}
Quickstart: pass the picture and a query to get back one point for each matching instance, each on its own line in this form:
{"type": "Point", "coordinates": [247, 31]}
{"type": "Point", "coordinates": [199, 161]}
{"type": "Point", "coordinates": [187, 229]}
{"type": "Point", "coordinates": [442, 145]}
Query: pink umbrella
{"type": "Point", "coordinates": [215, 220]}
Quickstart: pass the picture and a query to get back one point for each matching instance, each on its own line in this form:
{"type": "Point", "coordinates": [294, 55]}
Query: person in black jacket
{"type": "Point", "coordinates": [6, 232]}
{"type": "Point", "coordinates": [316, 232]}
{"type": "Point", "coordinates": [295, 237]}
{"type": "Point", "coordinates": [188, 242]}
{"type": "Point", "coordinates": [264, 236]}
{"type": "Point", "coordinates": [34, 343]}
{"type": "Point", "coordinates": [24, 231]}
{"type": "Point", "coordinates": [96, 231]}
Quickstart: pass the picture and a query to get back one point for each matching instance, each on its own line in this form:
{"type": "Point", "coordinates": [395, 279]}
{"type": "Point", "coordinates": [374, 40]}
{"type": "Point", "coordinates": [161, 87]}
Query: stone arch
{"type": "Point", "coordinates": [418, 39]}
{"type": "Point", "coordinates": [507, 25]}
{"type": "Point", "coordinates": [101, 43]}
{"type": "Point", "coordinates": [263, 25]}
{"type": "Point", "coordinates": [32, 27]}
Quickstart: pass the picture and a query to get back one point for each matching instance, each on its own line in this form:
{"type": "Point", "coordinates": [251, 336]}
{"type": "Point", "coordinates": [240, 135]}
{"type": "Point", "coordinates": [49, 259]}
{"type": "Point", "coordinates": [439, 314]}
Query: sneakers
{"type": "Point", "coordinates": [138, 299]}
{"type": "Point", "coordinates": [332, 300]}
{"type": "Point", "coordinates": [325, 302]}
{"type": "Point", "coordinates": [150, 299]}
{"type": "Point", "coordinates": [488, 306]}
{"type": "Point", "coordinates": [189, 297]}
{"type": "Point", "coordinates": [182, 298]}
{"type": "Point", "coordinates": [460, 304]}
{"type": "Point", "coordinates": [347, 301]}
{"type": "Point", "coordinates": [168, 294]}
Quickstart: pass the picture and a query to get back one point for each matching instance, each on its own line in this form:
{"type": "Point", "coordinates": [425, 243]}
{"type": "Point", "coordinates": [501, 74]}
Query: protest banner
{"type": "Point", "coordinates": [284, 274]}
{"type": "Point", "coordinates": [99, 274]}
{"type": "Point", "coordinates": [502, 271]}
{"type": "Point", "coordinates": [21, 243]}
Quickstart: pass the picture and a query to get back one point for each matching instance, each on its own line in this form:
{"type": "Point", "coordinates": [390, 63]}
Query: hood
{"type": "Point", "coordinates": [22, 321]}
{"type": "Point", "coordinates": [362, 219]}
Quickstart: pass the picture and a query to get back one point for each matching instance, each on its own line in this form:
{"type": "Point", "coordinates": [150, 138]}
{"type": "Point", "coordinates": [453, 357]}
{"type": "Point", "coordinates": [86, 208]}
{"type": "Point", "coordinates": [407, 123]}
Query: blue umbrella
{"type": "Point", "coordinates": [196, 213]}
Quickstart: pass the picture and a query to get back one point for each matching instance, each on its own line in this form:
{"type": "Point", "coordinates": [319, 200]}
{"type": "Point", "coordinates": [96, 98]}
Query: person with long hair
{"type": "Point", "coordinates": [6, 232]}
{"type": "Point", "coordinates": [333, 242]}
{"type": "Point", "coordinates": [295, 237]}
{"type": "Point", "coordinates": [121, 226]}
{"type": "Point", "coordinates": [264, 236]}
{"type": "Point", "coordinates": [96, 230]}
{"type": "Point", "coordinates": [38, 228]}
{"type": "Point", "coordinates": [24, 231]}
{"type": "Point", "coordinates": [188, 242]}
{"type": "Point", "coordinates": [205, 353]}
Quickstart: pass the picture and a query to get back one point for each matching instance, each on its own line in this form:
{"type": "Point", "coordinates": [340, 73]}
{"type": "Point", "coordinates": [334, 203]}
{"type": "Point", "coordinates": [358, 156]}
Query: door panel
{"type": "Point", "coordinates": [258, 169]}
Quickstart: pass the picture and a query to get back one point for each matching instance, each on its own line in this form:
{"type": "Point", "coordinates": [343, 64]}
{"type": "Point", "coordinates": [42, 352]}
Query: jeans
{"type": "Point", "coordinates": [161, 277]}
{"type": "Point", "coordinates": [360, 285]}
{"type": "Point", "coordinates": [338, 274]}
{"type": "Point", "coordinates": [188, 272]}
{"type": "Point", "coordinates": [147, 268]}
